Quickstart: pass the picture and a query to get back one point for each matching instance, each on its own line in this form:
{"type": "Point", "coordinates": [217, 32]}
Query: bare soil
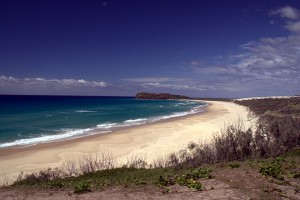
{"type": "Point", "coordinates": [240, 183]}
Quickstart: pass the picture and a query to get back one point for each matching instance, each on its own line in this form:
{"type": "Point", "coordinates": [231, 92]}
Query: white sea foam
{"type": "Point", "coordinates": [101, 128]}
{"type": "Point", "coordinates": [67, 134]}
{"type": "Point", "coordinates": [140, 121]}
{"type": "Point", "coordinates": [107, 125]}
{"type": "Point", "coordinates": [126, 123]}
{"type": "Point", "coordinates": [195, 110]}
{"type": "Point", "coordinates": [135, 120]}
{"type": "Point", "coordinates": [85, 111]}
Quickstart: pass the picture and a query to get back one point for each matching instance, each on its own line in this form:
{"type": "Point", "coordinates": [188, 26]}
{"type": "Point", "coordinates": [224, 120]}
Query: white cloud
{"type": "Point", "coordinates": [153, 79]}
{"type": "Point", "coordinates": [293, 26]}
{"type": "Point", "coordinates": [8, 81]}
{"type": "Point", "coordinates": [268, 66]}
{"type": "Point", "coordinates": [220, 70]}
{"type": "Point", "coordinates": [271, 57]}
{"type": "Point", "coordinates": [166, 83]}
{"type": "Point", "coordinates": [292, 15]}
{"type": "Point", "coordinates": [287, 12]}
{"type": "Point", "coordinates": [174, 86]}
{"type": "Point", "coordinates": [248, 45]}
{"type": "Point", "coordinates": [195, 63]}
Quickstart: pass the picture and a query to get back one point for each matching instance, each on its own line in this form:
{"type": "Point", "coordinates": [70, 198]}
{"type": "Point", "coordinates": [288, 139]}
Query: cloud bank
{"type": "Point", "coordinates": [12, 85]}
{"type": "Point", "coordinates": [267, 66]}
{"type": "Point", "coordinates": [166, 83]}
{"type": "Point", "coordinates": [287, 12]}
{"type": "Point", "coordinates": [292, 15]}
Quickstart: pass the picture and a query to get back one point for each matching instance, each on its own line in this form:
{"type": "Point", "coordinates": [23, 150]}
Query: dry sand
{"type": "Point", "coordinates": [149, 141]}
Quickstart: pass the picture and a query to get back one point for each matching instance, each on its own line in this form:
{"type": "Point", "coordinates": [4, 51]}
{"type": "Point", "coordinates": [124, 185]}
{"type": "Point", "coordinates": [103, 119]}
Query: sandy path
{"type": "Point", "coordinates": [151, 141]}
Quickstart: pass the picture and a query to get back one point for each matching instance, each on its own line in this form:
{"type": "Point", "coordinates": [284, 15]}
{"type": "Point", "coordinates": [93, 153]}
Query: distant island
{"type": "Point", "coordinates": [144, 95]}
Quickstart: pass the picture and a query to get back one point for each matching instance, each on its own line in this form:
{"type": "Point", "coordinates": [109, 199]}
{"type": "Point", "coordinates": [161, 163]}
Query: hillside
{"type": "Point", "coordinates": [239, 164]}
{"type": "Point", "coordinates": [144, 95]}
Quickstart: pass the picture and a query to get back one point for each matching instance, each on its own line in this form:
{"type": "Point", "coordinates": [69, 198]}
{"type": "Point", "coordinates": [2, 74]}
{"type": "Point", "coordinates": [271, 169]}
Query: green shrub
{"type": "Point", "coordinates": [139, 182]}
{"type": "Point", "coordinates": [234, 165]}
{"type": "Point", "coordinates": [190, 182]}
{"type": "Point", "coordinates": [274, 169]}
{"type": "Point", "coordinates": [195, 185]}
{"type": "Point", "coordinates": [201, 173]}
{"type": "Point", "coordinates": [82, 187]}
{"type": "Point", "coordinates": [190, 179]}
{"type": "Point", "coordinates": [181, 180]}
{"type": "Point", "coordinates": [162, 181]}
{"type": "Point", "coordinates": [55, 184]}
{"type": "Point", "coordinates": [294, 175]}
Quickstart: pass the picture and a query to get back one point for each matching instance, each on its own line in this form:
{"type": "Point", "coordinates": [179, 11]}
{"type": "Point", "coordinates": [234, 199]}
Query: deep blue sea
{"type": "Point", "coordinates": [28, 120]}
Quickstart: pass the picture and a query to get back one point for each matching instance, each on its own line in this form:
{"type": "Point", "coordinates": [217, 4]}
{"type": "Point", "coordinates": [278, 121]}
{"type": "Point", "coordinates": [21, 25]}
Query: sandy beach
{"type": "Point", "coordinates": [149, 141]}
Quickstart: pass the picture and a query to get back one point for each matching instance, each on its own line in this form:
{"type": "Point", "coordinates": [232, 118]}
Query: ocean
{"type": "Point", "coordinates": [29, 120]}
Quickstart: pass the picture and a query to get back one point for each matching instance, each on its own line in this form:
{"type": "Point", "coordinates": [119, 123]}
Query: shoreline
{"type": "Point", "coordinates": [147, 140]}
{"type": "Point", "coordinates": [5, 151]}
{"type": "Point", "coordinates": [102, 128]}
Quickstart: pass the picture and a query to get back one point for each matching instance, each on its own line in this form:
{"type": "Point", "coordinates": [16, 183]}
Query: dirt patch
{"type": "Point", "coordinates": [240, 183]}
{"type": "Point", "coordinates": [251, 183]}
{"type": "Point", "coordinates": [152, 192]}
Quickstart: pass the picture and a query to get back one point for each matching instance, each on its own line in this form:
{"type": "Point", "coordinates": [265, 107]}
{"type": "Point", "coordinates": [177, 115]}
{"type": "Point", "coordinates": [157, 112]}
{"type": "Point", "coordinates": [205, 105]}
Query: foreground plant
{"type": "Point", "coordinates": [273, 169]}
{"type": "Point", "coordinates": [82, 187]}
{"type": "Point", "coordinates": [189, 180]}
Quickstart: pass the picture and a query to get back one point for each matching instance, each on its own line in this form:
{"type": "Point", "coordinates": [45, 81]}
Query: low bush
{"type": "Point", "coordinates": [164, 181]}
{"type": "Point", "coordinates": [82, 187]}
{"type": "Point", "coordinates": [55, 184]}
{"type": "Point", "coordinates": [273, 169]}
{"type": "Point", "coordinates": [190, 183]}
{"type": "Point", "coordinates": [234, 165]}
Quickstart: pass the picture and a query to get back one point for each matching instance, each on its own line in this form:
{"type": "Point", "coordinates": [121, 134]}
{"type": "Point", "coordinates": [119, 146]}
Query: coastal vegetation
{"type": "Point", "coordinates": [144, 95]}
{"type": "Point", "coordinates": [262, 161]}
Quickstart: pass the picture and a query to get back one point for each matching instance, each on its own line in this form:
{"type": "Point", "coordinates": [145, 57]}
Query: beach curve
{"type": "Point", "coordinates": [149, 140]}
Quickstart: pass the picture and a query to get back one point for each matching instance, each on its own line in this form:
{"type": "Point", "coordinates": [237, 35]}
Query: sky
{"type": "Point", "coordinates": [207, 48]}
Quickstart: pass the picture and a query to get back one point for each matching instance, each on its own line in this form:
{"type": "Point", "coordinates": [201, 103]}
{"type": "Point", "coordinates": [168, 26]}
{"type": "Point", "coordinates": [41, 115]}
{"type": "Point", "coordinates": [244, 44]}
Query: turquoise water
{"type": "Point", "coordinates": [28, 120]}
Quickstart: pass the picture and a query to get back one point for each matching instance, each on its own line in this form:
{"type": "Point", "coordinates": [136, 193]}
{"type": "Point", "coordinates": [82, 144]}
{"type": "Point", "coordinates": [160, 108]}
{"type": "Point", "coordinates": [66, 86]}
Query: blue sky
{"type": "Point", "coordinates": [212, 48]}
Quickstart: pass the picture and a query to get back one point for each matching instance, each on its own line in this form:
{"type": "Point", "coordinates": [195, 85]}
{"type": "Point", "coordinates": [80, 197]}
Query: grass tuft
{"type": "Point", "coordinates": [82, 187]}
{"type": "Point", "coordinates": [234, 165]}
